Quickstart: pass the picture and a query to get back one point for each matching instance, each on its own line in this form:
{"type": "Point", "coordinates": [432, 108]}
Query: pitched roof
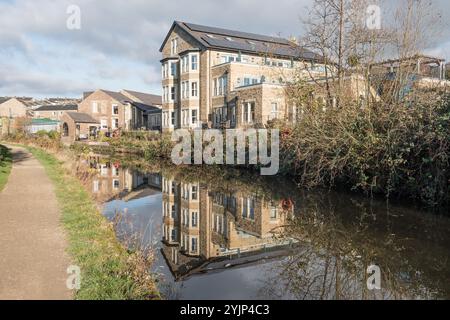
{"type": "Point", "coordinates": [67, 107]}
{"type": "Point", "coordinates": [4, 99]}
{"type": "Point", "coordinates": [79, 117]}
{"type": "Point", "coordinates": [145, 108]}
{"type": "Point", "coordinates": [115, 95]}
{"type": "Point", "coordinates": [146, 98]}
{"type": "Point", "coordinates": [237, 41]}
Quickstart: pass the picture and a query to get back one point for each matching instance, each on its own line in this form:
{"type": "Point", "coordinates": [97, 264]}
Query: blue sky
{"type": "Point", "coordinates": [117, 45]}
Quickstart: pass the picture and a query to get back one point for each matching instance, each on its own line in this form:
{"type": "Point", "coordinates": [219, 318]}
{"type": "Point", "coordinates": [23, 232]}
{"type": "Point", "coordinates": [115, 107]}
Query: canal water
{"type": "Point", "coordinates": [229, 235]}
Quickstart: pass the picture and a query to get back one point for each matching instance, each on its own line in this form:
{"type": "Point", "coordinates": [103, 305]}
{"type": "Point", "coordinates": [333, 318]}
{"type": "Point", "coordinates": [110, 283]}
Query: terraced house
{"type": "Point", "coordinates": [213, 77]}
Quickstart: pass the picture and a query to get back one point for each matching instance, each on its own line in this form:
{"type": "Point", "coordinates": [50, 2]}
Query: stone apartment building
{"type": "Point", "coordinates": [213, 77]}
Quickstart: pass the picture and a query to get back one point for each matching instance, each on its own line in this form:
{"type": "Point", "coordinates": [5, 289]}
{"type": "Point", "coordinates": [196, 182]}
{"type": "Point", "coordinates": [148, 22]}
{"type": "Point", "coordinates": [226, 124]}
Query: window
{"type": "Point", "coordinates": [116, 184]}
{"type": "Point", "coordinates": [173, 212]}
{"type": "Point", "coordinates": [173, 235]}
{"type": "Point", "coordinates": [115, 109]}
{"type": "Point", "coordinates": [104, 170]}
{"type": "Point", "coordinates": [216, 91]}
{"type": "Point", "coordinates": [173, 118]}
{"type": "Point", "coordinates": [172, 93]}
{"type": "Point", "coordinates": [94, 107]}
{"type": "Point", "coordinates": [104, 123]}
{"type": "Point", "coordinates": [194, 220]}
{"type": "Point", "coordinates": [220, 85]}
{"type": "Point", "coordinates": [194, 62]}
{"type": "Point", "coordinates": [273, 213]}
{"type": "Point", "coordinates": [186, 217]}
{"type": "Point", "coordinates": [165, 70]}
{"type": "Point", "coordinates": [248, 208]}
{"type": "Point", "coordinates": [274, 112]}
{"type": "Point", "coordinates": [194, 89]}
{"type": "Point", "coordinates": [185, 90]}
{"type": "Point", "coordinates": [185, 117]}
{"type": "Point", "coordinates": [174, 46]}
{"type": "Point", "coordinates": [115, 123]}
{"type": "Point", "coordinates": [173, 69]}
{"type": "Point", "coordinates": [194, 189]}
{"type": "Point", "coordinates": [185, 64]}
{"type": "Point", "coordinates": [233, 113]}
{"type": "Point", "coordinates": [193, 116]}
{"type": "Point", "coordinates": [167, 94]}
{"type": "Point", "coordinates": [194, 244]}
{"type": "Point", "coordinates": [248, 112]}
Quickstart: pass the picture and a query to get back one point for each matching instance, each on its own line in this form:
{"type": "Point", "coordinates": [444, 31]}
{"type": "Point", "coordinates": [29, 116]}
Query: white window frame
{"type": "Point", "coordinates": [196, 116]}
{"type": "Point", "coordinates": [274, 113]}
{"type": "Point", "coordinates": [194, 89]}
{"type": "Point", "coordinates": [112, 109]}
{"type": "Point", "coordinates": [192, 63]}
{"type": "Point", "coordinates": [174, 46]}
{"type": "Point", "coordinates": [103, 123]}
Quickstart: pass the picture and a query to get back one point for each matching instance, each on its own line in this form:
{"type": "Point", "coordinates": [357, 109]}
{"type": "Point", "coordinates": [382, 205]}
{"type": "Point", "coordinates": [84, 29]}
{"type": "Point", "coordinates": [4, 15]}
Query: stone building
{"type": "Point", "coordinates": [213, 77]}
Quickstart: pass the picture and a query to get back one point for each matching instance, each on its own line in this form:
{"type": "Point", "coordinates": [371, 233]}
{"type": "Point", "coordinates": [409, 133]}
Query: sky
{"type": "Point", "coordinates": [117, 44]}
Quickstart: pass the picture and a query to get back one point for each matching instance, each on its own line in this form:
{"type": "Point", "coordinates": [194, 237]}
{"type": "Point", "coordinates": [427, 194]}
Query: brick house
{"type": "Point", "coordinates": [107, 111]}
{"type": "Point", "coordinates": [16, 107]}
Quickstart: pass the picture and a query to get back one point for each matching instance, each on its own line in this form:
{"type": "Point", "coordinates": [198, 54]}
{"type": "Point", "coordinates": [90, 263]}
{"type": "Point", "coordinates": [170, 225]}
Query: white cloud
{"type": "Point", "coordinates": [118, 43]}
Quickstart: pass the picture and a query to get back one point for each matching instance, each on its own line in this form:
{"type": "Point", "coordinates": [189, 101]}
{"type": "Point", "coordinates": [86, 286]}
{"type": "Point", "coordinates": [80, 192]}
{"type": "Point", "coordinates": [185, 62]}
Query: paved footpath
{"type": "Point", "coordinates": [33, 261]}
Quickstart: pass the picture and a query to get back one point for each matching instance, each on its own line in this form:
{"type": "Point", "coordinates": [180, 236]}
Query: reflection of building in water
{"type": "Point", "coordinates": [202, 226]}
{"type": "Point", "coordinates": [107, 179]}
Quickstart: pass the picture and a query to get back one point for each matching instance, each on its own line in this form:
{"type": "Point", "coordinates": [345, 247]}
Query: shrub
{"type": "Point", "coordinates": [391, 149]}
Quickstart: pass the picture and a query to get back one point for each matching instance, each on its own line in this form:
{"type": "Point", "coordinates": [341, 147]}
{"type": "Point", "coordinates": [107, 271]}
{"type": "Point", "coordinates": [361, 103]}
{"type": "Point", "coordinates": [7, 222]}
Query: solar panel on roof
{"type": "Point", "coordinates": [260, 48]}
{"type": "Point", "coordinates": [237, 34]}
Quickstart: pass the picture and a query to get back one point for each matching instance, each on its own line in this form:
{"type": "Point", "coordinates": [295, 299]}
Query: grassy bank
{"type": "Point", "coordinates": [108, 270]}
{"type": "Point", "coordinates": [5, 165]}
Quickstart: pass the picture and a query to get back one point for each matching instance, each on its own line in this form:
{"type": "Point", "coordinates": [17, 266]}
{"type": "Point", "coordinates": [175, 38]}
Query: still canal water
{"type": "Point", "coordinates": [223, 235]}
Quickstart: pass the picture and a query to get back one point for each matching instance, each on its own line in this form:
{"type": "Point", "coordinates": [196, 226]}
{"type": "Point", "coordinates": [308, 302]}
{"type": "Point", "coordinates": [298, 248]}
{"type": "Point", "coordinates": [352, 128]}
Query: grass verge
{"type": "Point", "coordinates": [5, 165]}
{"type": "Point", "coordinates": [108, 270]}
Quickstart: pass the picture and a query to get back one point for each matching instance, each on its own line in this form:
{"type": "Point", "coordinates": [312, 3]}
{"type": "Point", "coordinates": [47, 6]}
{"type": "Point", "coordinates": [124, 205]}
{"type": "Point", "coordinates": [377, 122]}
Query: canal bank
{"type": "Point", "coordinates": [33, 242]}
{"type": "Point", "coordinates": [108, 269]}
{"type": "Point", "coordinates": [228, 235]}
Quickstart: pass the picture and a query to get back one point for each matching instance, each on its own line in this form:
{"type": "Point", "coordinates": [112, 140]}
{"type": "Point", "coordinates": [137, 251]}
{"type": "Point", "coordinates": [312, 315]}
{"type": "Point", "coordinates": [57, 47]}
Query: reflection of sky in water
{"type": "Point", "coordinates": [337, 234]}
{"type": "Point", "coordinates": [142, 218]}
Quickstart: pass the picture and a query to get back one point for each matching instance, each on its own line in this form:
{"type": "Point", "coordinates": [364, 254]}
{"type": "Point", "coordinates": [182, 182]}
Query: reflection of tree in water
{"type": "Point", "coordinates": [339, 239]}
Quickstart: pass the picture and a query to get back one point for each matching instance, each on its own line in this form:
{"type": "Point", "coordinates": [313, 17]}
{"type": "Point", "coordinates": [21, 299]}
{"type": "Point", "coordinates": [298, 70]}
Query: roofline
{"type": "Point", "coordinates": [208, 46]}
{"type": "Point", "coordinates": [179, 24]}
{"type": "Point", "coordinates": [416, 56]}
{"type": "Point", "coordinates": [107, 93]}
{"type": "Point", "coordinates": [168, 58]}
{"type": "Point", "coordinates": [188, 51]}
